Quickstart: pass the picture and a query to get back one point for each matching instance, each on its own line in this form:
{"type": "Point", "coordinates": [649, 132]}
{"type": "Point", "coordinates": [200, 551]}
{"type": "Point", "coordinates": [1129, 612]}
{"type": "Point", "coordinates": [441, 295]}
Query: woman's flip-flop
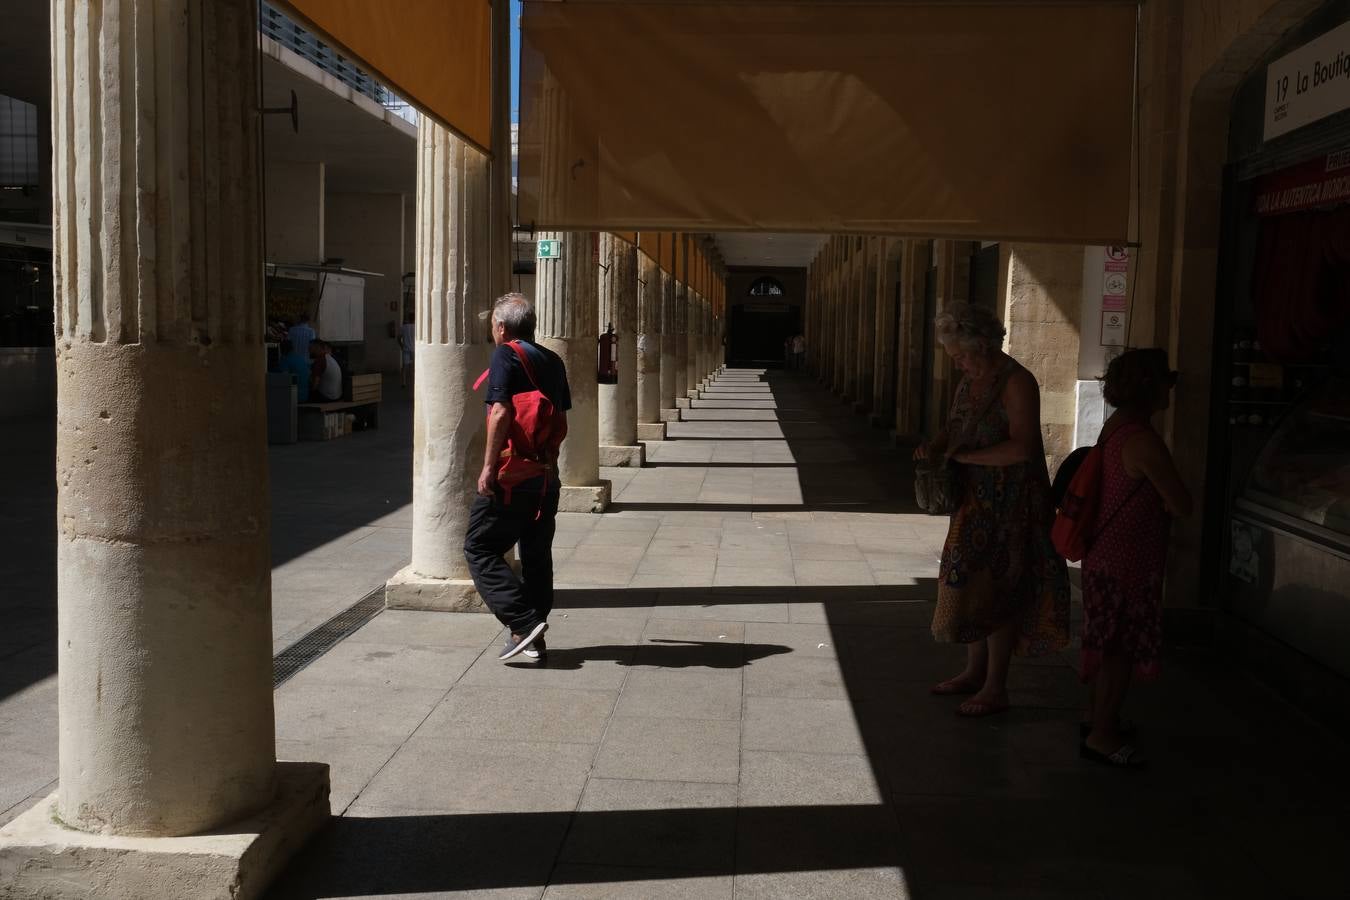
{"type": "Point", "coordinates": [972, 710]}
{"type": "Point", "coordinates": [954, 686]}
{"type": "Point", "coordinates": [1127, 757]}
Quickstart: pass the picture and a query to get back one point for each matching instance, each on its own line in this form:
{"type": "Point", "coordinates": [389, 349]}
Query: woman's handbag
{"type": "Point", "coordinates": [936, 481]}
{"type": "Point", "coordinates": [934, 486]}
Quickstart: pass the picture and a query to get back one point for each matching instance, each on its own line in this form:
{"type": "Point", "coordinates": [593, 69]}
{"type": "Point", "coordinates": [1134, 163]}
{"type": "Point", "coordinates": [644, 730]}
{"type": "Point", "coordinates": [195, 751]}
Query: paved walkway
{"type": "Point", "coordinates": [736, 706]}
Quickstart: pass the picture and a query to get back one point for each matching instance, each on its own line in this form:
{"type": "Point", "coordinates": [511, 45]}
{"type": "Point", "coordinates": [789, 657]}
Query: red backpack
{"type": "Point", "coordinates": [1072, 531]}
{"type": "Point", "coordinates": [1076, 526]}
{"type": "Point", "coordinates": [537, 431]}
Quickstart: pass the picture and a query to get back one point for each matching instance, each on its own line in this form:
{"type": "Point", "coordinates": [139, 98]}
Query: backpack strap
{"type": "Point", "coordinates": [525, 363]}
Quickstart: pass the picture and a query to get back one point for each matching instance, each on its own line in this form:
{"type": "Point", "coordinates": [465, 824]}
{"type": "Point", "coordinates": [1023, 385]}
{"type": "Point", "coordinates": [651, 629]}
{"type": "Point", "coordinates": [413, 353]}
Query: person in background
{"type": "Point", "coordinates": [297, 365]}
{"type": "Point", "coordinates": [1141, 491]}
{"type": "Point", "coordinates": [301, 334]}
{"type": "Point", "coordinates": [325, 377]}
{"type": "Point", "coordinates": [407, 340]}
{"type": "Point", "coordinates": [799, 352]}
{"type": "Point", "coordinates": [1002, 587]}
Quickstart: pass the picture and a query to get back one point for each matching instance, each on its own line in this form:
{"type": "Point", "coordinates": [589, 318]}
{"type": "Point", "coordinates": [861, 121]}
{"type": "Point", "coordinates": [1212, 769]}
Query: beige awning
{"type": "Point", "coordinates": [434, 53]}
{"type": "Point", "coordinates": [985, 119]}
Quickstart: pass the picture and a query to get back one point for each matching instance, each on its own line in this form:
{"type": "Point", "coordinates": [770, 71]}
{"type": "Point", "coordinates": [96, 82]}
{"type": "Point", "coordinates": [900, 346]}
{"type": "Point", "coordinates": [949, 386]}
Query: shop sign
{"type": "Point", "coordinates": [1309, 84]}
{"type": "Point", "coordinates": [548, 250]}
{"type": "Point", "coordinates": [1323, 181]}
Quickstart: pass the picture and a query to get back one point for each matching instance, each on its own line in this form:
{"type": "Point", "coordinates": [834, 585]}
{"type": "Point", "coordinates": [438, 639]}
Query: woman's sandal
{"type": "Point", "coordinates": [972, 710]}
{"type": "Point", "coordinates": [953, 687]}
{"type": "Point", "coordinates": [1127, 757]}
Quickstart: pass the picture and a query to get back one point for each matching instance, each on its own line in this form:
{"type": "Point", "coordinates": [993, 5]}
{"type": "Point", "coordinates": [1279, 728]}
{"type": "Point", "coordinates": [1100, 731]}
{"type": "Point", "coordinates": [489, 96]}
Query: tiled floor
{"type": "Point", "coordinates": [736, 705]}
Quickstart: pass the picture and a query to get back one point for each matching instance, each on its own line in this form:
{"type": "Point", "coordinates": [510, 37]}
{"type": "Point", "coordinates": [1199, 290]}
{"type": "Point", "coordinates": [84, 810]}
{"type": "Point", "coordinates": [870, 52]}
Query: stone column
{"type": "Point", "coordinates": [693, 372]}
{"type": "Point", "coordinates": [683, 322]}
{"type": "Point", "coordinates": [618, 308]}
{"type": "Point", "coordinates": [887, 330]}
{"type": "Point", "coordinates": [566, 292]}
{"type": "Point", "coordinates": [163, 554]}
{"type": "Point", "coordinates": [843, 307]}
{"type": "Point", "coordinates": [669, 358]}
{"type": "Point", "coordinates": [649, 424]}
{"type": "Point", "coordinates": [453, 283]}
{"type": "Point", "coordinates": [864, 350]}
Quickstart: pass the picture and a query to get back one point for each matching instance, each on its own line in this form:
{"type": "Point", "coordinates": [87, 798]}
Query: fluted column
{"type": "Point", "coordinates": [164, 609]}
{"type": "Point", "coordinates": [649, 424]}
{"type": "Point", "coordinates": [669, 340]}
{"type": "Point", "coordinates": [567, 303]}
{"type": "Point", "coordinates": [842, 307]}
{"type": "Point", "coordinates": [618, 308]}
{"type": "Point", "coordinates": [693, 372]}
{"type": "Point", "coordinates": [454, 281]}
{"type": "Point", "coordinates": [682, 325]}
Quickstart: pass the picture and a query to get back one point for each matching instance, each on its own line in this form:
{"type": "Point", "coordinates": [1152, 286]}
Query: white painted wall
{"type": "Point", "coordinates": [295, 212]}
{"type": "Point", "coordinates": [366, 231]}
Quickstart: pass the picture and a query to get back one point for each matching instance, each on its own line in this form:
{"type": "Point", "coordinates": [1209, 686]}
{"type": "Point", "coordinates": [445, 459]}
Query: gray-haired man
{"type": "Point", "coordinates": [518, 490]}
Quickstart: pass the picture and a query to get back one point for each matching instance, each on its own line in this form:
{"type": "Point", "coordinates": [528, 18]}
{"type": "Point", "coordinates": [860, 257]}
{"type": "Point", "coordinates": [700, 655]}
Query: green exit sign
{"type": "Point", "coordinates": [548, 250]}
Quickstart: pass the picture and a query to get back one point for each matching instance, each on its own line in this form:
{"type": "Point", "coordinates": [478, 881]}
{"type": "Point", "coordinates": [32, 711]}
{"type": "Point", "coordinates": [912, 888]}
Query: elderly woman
{"type": "Point", "coordinates": [1002, 587]}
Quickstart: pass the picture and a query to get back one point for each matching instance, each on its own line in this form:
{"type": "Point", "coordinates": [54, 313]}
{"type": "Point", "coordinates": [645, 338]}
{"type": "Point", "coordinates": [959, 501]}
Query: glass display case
{"type": "Point", "coordinates": [1304, 470]}
{"type": "Point", "coordinates": [1289, 550]}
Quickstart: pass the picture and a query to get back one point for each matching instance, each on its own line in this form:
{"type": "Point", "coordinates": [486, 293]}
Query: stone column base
{"type": "Point", "coordinates": [693, 394]}
{"type": "Point", "coordinates": [584, 498]}
{"type": "Point", "coordinates": [681, 402]}
{"type": "Point", "coordinates": [651, 431]}
{"type": "Point", "coordinates": [623, 456]}
{"type": "Point", "coordinates": [670, 415]}
{"type": "Point", "coordinates": [410, 590]}
{"type": "Point", "coordinates": [40, 858]}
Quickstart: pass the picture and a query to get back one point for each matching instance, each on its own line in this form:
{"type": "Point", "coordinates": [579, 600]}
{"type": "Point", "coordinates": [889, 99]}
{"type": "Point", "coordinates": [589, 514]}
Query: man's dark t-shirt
{"type": "Point", "coordinates": [506, 378]}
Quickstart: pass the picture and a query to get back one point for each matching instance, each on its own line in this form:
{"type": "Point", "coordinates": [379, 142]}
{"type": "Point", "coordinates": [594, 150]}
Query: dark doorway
{"type": "Point", "coordinates": [758, 330]}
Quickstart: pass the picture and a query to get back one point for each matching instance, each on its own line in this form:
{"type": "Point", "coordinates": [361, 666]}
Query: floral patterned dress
{"type": "Point", "coordinates": [1123, 568]}
{"type": "Point", "coordinates": [998, 564]}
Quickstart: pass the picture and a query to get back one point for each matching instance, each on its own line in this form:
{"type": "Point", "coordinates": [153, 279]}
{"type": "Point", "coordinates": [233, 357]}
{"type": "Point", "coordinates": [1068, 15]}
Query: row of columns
{"type": "Point", "coordinates": [867, 324]}
{"type": "Point", "coordinates": [871, 304]}
{"type": "Point", "coordinates": [164, 552]}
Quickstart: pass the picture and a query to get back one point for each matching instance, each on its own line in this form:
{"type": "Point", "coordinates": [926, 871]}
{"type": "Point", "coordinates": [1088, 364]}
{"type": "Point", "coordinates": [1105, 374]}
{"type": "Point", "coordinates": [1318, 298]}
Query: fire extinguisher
{"type": "Point", "coordinates": [607, 362]}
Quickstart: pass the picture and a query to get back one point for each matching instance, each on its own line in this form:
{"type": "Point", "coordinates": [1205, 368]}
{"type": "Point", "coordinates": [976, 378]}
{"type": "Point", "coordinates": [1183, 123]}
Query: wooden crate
{"type": "Point", "coordinates": [363, 388]}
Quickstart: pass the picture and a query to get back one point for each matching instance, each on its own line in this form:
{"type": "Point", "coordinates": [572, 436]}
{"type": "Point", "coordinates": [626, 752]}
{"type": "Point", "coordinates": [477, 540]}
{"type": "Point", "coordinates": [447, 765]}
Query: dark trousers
{"type": "Point", "coordinates": [520, 602]}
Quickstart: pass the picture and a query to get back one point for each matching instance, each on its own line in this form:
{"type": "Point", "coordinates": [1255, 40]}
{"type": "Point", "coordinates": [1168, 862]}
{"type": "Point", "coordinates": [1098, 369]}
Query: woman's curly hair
{"type": "Point", "coordinates": [1132, 379]}
{"type": "Point", "coordinates": [970, 327]}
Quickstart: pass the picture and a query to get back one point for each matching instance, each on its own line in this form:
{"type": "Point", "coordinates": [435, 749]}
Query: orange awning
{"type": "Point", "coordinates": [437, 54]}
{"type": "Point", "coordinates": [1004, 119]}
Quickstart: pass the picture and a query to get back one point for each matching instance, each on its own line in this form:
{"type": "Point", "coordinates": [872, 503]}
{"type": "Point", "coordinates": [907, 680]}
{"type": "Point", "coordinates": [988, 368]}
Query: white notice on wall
{"type": "Point", "coordinates": [1308, 84]}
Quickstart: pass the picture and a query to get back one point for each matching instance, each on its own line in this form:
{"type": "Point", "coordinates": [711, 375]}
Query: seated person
{"type": "Point", "coordinates": [293, 362]}
{"type": "Point", "coordinates": [325, 375]}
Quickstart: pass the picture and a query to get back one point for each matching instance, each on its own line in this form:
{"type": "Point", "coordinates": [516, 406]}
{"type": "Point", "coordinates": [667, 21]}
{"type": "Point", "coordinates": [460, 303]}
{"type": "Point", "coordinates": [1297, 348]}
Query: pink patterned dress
{"type": "Point", "coordinates": [1123, 569]}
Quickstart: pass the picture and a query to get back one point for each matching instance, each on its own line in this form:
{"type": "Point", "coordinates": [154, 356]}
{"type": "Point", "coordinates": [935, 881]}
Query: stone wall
{"type": "Point", "coordinates": [366, 231]}
{"type": "Point", "coordinates": [295, 215]}
{"type": "Point", "coordinates": [1042, 306]}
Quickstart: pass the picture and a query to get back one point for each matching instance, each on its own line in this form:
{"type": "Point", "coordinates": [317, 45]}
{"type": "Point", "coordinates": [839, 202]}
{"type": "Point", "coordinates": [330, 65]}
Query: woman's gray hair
{"type": "Point", "coordinates": [516, 315]}
{"type": "Point", "coordinates": [970, 327]}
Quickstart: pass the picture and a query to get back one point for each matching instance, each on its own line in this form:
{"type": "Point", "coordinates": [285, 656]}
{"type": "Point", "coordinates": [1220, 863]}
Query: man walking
{"type": "Point", "coordinates": [527, 402]}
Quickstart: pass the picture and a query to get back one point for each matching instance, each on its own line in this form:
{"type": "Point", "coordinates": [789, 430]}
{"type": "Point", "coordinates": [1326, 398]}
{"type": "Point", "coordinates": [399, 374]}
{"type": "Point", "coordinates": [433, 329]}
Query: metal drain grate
{"type": "Point", "coordinates": [325, 637]}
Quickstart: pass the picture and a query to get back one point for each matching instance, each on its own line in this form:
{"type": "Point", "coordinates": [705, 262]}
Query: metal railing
{"type": "Point", "coordinates": [276, 25]}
